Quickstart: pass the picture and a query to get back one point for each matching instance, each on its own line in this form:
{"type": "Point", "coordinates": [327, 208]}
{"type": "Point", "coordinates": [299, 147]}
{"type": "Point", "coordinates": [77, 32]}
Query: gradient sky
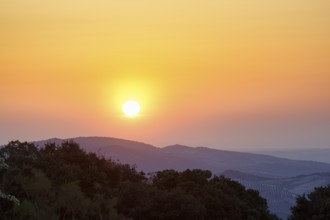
{"type": "Point", "coordinates": [230, 74]}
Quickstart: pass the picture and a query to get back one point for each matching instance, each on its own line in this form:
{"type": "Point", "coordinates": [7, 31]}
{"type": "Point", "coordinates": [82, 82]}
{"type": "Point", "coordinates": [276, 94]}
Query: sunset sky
{"type": "Point", "coordinates": [229, 74]}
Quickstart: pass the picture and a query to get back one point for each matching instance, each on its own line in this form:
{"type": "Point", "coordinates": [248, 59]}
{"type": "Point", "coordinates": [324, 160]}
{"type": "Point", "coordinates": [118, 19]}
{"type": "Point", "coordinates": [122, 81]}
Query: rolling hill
{"type": "Point", "coordinates": [277, 179]}
{"type": "Point", "coordinates": [149, 158]}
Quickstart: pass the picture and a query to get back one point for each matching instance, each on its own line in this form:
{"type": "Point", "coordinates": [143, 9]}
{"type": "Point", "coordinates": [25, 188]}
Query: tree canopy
{"type": "Point", "coordinates": [314, 206]}
{"type": "Point", "coordinates": [60, 182]}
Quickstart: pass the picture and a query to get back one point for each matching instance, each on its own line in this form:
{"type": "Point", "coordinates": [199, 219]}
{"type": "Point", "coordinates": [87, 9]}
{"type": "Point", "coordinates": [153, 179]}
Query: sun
{"type": "Point", "coordinates": [131, 108]}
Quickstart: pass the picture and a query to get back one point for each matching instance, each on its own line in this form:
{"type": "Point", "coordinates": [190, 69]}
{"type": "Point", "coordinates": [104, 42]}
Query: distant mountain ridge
{"type": "Point", "coordinates": [315, 154]}
{"type": "Point", "coordinates": [150, 159]}
{"type": "Point", "coordinates": [277, 179]}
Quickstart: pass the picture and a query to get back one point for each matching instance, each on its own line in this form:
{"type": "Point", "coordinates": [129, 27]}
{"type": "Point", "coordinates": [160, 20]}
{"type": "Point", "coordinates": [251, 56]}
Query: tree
{"type": "Point", "coordinates": [8, 197]}
{"type": "Point", "coordinates": [62, 182]}
{"type": "Point", "coordinates": [316, 206]}
{"type": "Point", "coordinates": [216, 197]}
{"type": "Point", "coordinates": [141, 201]}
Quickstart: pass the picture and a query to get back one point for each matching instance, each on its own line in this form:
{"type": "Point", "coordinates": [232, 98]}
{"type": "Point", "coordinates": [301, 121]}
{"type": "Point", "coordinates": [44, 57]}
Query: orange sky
{"type": "Point", "coordinates": [227, 74]}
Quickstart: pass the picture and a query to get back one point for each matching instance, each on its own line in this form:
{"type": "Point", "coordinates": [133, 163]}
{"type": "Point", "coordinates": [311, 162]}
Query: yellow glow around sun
{"type": "Point", "coordinates": [129, 87]}
{"type": "Point", "coordinates": [131, 108]}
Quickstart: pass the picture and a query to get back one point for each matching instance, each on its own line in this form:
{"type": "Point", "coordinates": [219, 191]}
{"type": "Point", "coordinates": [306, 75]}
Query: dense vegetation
{"type": "Point", "coordinates": [64, 182]}
{"type": "Point", "coordinates": [316, 206]}
{"type": "Point", "coordinates": [4, 166]}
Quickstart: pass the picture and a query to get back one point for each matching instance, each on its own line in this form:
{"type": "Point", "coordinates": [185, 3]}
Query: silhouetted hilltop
{"type": "Point", "coordinates": [62, 181]}
{"type": "Point", "coordinates": [149, 158]}
{"type": "Point", "coordinates": [279, 180]}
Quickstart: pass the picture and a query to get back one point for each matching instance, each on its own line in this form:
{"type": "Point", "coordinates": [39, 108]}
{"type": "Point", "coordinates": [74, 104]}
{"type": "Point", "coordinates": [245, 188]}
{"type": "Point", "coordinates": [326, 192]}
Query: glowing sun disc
{"type": "Point", "coordinates": [131, 108]}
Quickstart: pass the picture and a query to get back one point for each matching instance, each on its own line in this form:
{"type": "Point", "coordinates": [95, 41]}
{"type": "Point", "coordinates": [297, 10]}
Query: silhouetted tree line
{"type": "Point", "coordinates": [64, 182]}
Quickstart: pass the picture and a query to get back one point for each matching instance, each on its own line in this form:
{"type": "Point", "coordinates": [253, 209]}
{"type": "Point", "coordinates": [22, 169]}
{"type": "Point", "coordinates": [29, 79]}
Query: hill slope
{"type": "Point", "coordinates": [278, 180]}
{"type": "Point", "coordinates": [64, 182]}
{"type": "Point", "coordinates": [149, 158]}
{"type": "Point", "coordinates": [281, 193]}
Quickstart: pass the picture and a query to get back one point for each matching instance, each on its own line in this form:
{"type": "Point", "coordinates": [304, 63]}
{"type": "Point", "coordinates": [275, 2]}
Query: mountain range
{"type": "Point", "coordinates": [279, 180]}
{"type": "Point", "coordinates": [315, 154]}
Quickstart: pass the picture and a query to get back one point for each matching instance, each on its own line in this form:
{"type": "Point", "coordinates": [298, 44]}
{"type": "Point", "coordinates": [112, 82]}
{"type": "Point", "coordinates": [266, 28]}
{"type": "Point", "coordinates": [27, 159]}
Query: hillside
{"type": "Point", "coordinates": [279, 180]}
{"type": "Point", "coordinates": [280, 193]}
{"type": "Point", "coordinates": [149, 158]}
{"type": "Point", "coordinates": [63, 182]}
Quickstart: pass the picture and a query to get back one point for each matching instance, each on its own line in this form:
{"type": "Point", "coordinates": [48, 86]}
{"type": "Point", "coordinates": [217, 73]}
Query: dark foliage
{"type": "Point", "coordinates": [316, 206]}
{"type": "Point", "coordinates": [64, 182]}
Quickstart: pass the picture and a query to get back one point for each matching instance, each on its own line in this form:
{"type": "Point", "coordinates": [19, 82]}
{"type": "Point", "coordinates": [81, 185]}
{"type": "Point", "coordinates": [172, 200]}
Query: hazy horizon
{"type": "Point", "coordinates": [233, 75]}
